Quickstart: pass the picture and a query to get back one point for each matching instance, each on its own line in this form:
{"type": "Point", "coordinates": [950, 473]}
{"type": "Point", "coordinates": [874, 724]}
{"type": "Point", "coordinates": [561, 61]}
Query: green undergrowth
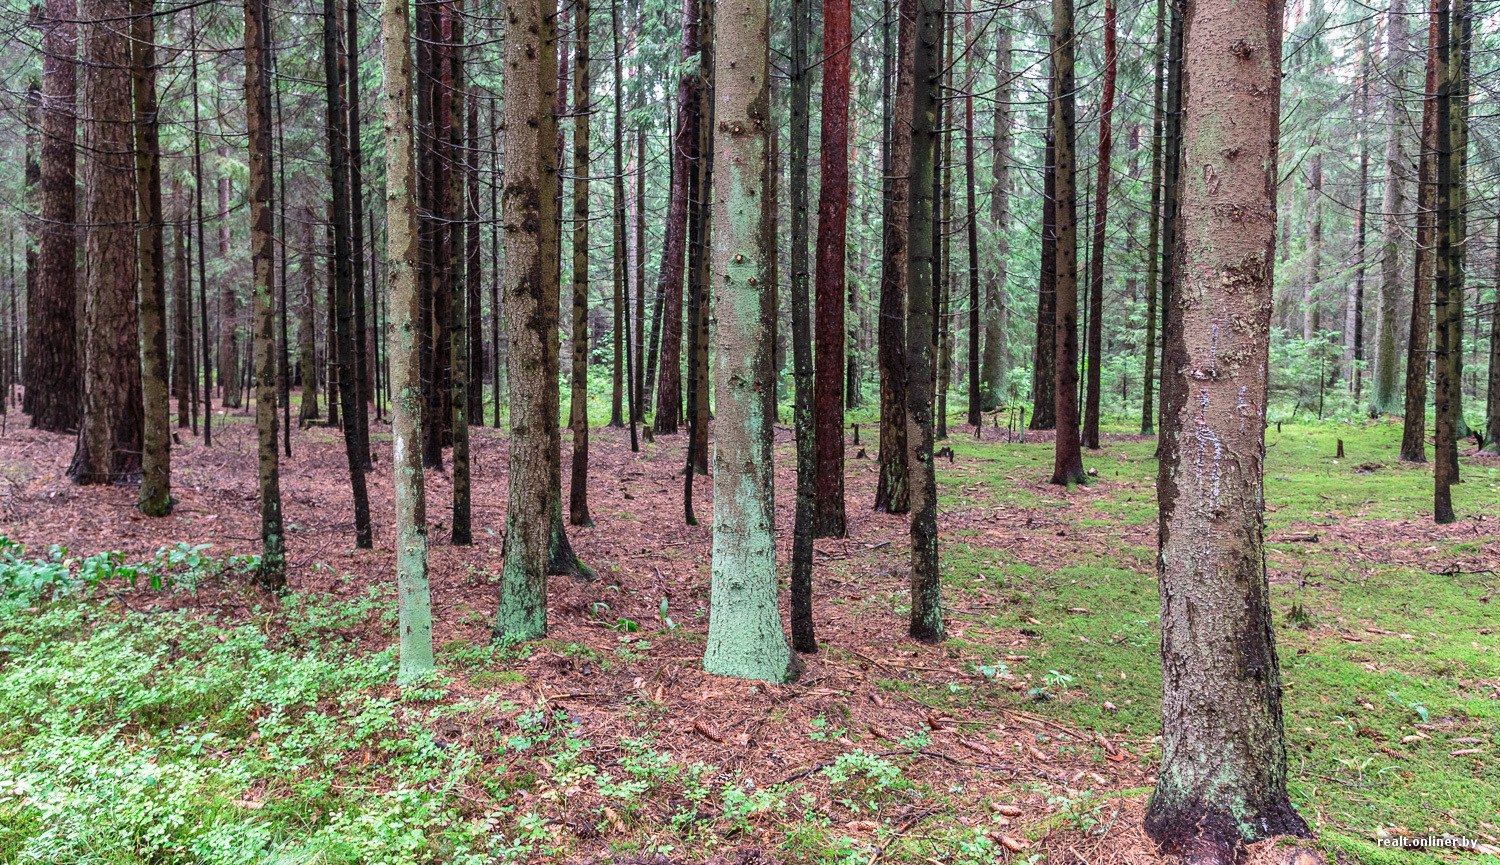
{"type": "Point", "coordinates": [1389, 667]}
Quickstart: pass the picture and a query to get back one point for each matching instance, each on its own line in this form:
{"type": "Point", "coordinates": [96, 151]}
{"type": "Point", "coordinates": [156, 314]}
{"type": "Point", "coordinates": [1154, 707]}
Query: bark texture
{"type": "Point", "coordinates": [414, 598]}
{"type": "Point", "coordinates": [109, 433]}
{"type": "Point", "coordinates": [272, 573]}
{"type": "Point", "coordinates": [745, 637]}
{"type": "Point", "coordinates": [833, 205]}
{"type": "Point", "coordinates": [674, 245]}
{"type": "Point", "coordinates": [893, 487]}
{"type": "Point", "coordinates": [52, 392]}
{"type": "Point", "coordinates": [926, 589]}
{"type": "Point", "coordinates": [1223, 773]}
{"type": "Point", "coordinates": [1067, 465]}
{"type": "Point", "coordinates": [155, 495]}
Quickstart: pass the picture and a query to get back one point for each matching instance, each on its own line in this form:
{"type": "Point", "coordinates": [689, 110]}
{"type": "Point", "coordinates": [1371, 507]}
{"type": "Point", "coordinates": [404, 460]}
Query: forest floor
{"type": "Point", "coordinates": [172, 713]}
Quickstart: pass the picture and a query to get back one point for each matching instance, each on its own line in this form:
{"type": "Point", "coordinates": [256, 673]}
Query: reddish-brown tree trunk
{"type": "Point", "coordinates": [833, 205]}
{"type": "Point", "coordinates": [1101, 211]}
{"type": "Point", "coordinates": [674, 245]}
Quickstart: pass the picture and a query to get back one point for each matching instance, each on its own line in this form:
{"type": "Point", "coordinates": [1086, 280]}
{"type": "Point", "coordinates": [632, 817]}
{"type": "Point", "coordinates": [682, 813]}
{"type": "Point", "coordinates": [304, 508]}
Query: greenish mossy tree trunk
{"type": "Point", "coordinates": [745, 638]}
{"type": "Point", "coordinates": [414, 600]}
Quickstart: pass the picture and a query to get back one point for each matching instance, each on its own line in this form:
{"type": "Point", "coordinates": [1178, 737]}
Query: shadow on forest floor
{"type": "Point", "coordinates": [200, 721]}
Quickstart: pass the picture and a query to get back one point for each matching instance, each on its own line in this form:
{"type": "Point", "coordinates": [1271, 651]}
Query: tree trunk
{"type": "Point", "coordinates": [182, 315]}
{"type": "Point", "coordinates": [1043, 377]}
{"type": "Point", "coordinates": [204, 340]}
{"type": "Point", "coordinates": [1101, 213]}
{"type": "Point", "coordinates": [803, 632]}
{"type": "Point", "coordinates": [893, 489]}
{"type": "Point", "coordinates": [52, 379]}
{"type": "Point", "coordinates": [926, 587]}
{"type": "Point", "coordinates": [1414, 428]}
{"type": "Point", "coordinates": [155, 495]}
{"type": "Point", "coordinates": [1223, 773]}
{"type": "Point", "coordinates": [1354, 308]}
{"type": "Point", "coordinates": [1171, 171]}
{"type": "Point", "coordinates": [458, 340]}
{"type": "Point", "coordinates": [995, 372]}
{"type": "Point", "coordinates": [363, 392]}
{"type": "Point", "coordinates": [306, 329]}
{"type": "Point", "coordinates": [1446, 351]}
{"type": "Point", "coordinates": [414, 600]}
{"type": "Point", "coordinates": [620, 259]}
{"type": "Point", "coordinates": [1492, 388]}
{"type": "Point", "coordinates": [1154, 254]}
{"type": "Point", "coordinates": [263, 290]}
{"type": "Point", "coordinates": [972, 219]}
{"type": "Point", "coordinates": [833, 205]}
{"type": "Point", "coordinates": [1312, 319]}
{"type": "Point", "coordinates": [1383, 394]}
{"type": "Point", "coordinates": [1067, 467]}
{"type": "Point", "coordinates": [669, 278]}
{"type": "Point", "coordinates": [343, 313]}
{"type": "Point", "coordinates": [530, 319]}
{"type": "Point", "coordinates": [745, 638]}
{"type": "Point", "coordinates": [578, 409]}
{"type": "Point", "coordinates": [109, 433]}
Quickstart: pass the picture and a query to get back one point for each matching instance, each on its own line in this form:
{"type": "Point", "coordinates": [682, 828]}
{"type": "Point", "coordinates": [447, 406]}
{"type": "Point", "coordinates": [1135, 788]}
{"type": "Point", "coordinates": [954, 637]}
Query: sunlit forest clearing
{"type": "Point", "coordinates": [779, 432]}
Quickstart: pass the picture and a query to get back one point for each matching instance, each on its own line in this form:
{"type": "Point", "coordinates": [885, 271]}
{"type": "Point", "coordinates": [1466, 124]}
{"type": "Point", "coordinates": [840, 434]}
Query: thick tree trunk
{"type": "Point", "coordinates": [995, 372]}
{"type": "Point", "coordinates": [1101, 214]}
{"type": "Point", "coordinates": [926, 586]}
{"type": "Point", "coordinates": [674, 244]}
{"type": "Point", "coordinates": [109, 433]}
{"type": "Point", "coordinates": [53, 387]}
{"type": "Point", "coordinates": [155, 495]}
{"type": "Point", "coordinates": [343, 313]}
{"type": "Point", "coordinates": [530, 213]}
{"type": "Point", "coordinates": [1414, 427]}
{"type": "Point", "coordinates": [745, 638]}
{"type": "Point", "coordinates": [893, 488]}
{"type": "Point", "coordinates": [1067, 466]}
{"type": "Point", "coordinates": [414, 599]}
{"type": "Point", "coordinates": [272, 573]}
{"type": "Point", "coordinates": [803, 633]}
{"type": "Point", "coordinates": [578, 408]}
{"type": "Point", "coordinates": [833, 204]}
{"type": "Point", "coordinates": [1223, 772]}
